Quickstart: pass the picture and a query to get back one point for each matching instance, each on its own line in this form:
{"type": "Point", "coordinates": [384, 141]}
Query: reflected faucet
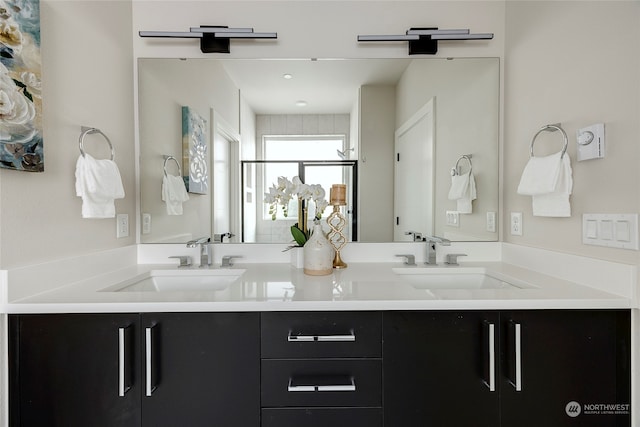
{"type": "Point", "coordinates": [205, 250]}
{"type": "Point", "coordinates": [431, 248]}
{"type": "Point", "coordinates": [417, 237]}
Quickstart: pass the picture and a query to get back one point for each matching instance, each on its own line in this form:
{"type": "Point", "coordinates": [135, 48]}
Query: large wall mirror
{"type": "Point", "coordinates": [413, 139]}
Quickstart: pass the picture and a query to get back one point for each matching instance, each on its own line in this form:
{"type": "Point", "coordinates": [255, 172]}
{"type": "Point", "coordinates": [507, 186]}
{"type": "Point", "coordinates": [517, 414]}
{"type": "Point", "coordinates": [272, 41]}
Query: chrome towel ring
{"type": "Point", "coordinates": [164, 166]}
{"type": "Point", "coordinates": [86, 131]}
{"type": "Point", "coordinates": [455, 171]}
{"type": "Point", "coordinates": [551, 128]}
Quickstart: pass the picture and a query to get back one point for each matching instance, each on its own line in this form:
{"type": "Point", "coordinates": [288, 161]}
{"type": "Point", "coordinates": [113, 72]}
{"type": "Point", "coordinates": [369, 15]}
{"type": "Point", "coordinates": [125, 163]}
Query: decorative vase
{"type": "Point", "coordinates": [318, 254]}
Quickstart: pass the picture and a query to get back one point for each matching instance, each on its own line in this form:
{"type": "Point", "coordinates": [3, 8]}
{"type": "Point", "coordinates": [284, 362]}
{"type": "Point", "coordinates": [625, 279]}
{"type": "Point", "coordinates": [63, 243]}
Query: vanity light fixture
{"type": "Point", "coordinates": [425, 40]}
{"type": "Point", "coordinates": [213, 39]}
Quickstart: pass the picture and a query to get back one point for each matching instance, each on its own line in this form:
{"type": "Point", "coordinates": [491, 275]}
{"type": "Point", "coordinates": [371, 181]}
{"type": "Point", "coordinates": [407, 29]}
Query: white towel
{"type": "Point", "coordinates": [549, 181]}
{"type": "Point", "coordinates": [174, 193]}
{"type": "Point", "coordinates": [98, 182]}
{"type": "Point", "coordinates": [463, 191]}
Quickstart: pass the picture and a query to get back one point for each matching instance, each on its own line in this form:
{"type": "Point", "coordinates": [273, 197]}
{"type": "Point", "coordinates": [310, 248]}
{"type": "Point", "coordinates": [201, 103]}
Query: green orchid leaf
{"type": "Point", "coordinates": [298, 235]}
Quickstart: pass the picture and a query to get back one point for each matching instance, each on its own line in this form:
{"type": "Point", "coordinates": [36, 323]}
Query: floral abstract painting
{"type": "Point", "coordinates": [194, 152]}
{"type": "Point", "coordinates": [20, 86]}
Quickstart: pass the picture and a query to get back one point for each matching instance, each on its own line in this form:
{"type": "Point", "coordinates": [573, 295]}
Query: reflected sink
{"type": "Point", "coordinates": [452, 278]}
{"type": "Point", "coordinates": [179, 281]}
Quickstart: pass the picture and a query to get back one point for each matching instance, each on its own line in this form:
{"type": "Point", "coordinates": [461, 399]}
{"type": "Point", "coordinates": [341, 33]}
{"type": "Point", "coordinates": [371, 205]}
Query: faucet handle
{"type": "Point", "coordinates": [452, 259]}
{"type": "Point", "coordinates": [226, 260]}
{"type": "Point", "coordinates": [185, 261]}
{"type": "Point", "coordinates": [409, 259]}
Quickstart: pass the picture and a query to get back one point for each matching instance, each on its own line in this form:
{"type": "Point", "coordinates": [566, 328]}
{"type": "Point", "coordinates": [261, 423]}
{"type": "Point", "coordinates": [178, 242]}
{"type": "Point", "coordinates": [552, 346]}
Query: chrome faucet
{"type": "Point", "coordinates": [431, 248]}
{"type": "Point", "coordinates": [206, 256]}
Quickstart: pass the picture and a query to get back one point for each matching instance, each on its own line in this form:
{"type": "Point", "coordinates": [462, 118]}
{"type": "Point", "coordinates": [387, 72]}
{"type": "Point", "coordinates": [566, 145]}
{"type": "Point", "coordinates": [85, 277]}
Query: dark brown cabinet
{"type": "Point", "coordinates": [518, 368]}
{"type": "Point", "coordinates": [134, 370]}
{"type": "Point", "coordinates": [509, 369]}
{"type": "Point", "coordinates": [321, 369]}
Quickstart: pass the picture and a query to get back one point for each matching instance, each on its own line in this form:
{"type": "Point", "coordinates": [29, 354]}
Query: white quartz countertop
{"type": "Point", "coordinates": [362, 286]}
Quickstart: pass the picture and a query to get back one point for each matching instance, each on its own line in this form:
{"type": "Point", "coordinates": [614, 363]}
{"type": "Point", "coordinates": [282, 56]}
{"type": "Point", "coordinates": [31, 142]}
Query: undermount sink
{"type": "Point", "coordinates": [452, 278]}
{"type": "Point", "coordinates": [179, 281]}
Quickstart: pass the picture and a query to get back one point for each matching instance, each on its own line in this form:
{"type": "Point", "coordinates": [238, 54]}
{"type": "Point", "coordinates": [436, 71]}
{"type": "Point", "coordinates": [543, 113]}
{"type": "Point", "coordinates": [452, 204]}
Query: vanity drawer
{"type": "Point", "coordinates": [321, 334]}
{"type": "Point", "coordinates": [321, 417]}
{"type": "Point", "coordinates": [321, 382]}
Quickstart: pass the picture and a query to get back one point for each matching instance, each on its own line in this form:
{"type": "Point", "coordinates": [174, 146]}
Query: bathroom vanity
{"type": "Point", "coordinates": [363, 347]}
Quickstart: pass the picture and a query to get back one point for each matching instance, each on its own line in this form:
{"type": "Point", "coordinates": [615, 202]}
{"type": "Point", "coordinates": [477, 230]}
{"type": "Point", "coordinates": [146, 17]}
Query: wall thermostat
{"type": "Point", "coordinates": [591, 142]}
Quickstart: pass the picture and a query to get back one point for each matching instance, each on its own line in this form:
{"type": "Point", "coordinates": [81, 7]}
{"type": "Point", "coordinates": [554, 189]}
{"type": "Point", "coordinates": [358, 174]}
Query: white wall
{"type": "Point", "coordinates": [558, 69]}
{"type": "Point", "coordinates": [87, 80]}
{"type": "Point", "coordinates": [377, 145]}
{"type": "Point", "coordinates": [467, 107]}
{"type": "Point", "coordinates": [165, 86]}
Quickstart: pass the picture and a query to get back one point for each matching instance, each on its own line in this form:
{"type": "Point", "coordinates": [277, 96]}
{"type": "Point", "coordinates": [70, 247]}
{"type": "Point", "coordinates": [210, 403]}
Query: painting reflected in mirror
{"type": "Point", "coordinates": [392, 130]}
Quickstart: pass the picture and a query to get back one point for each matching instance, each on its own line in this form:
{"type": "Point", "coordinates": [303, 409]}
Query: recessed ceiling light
{"type": "Point", "coordinates": [287, 76]}
{"type": "Point", "coordinates": [301, 103]}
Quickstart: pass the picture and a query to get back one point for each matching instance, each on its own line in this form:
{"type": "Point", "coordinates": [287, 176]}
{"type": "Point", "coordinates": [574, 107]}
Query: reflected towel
{"type": "Point", "coordinates": [463, 191]}
{"type": "Point", "coordinates": [174, 193]}
{"type": "Point", "coordinates": [549, 181]}
{"type": "Point", "coordinates": [98, 182]}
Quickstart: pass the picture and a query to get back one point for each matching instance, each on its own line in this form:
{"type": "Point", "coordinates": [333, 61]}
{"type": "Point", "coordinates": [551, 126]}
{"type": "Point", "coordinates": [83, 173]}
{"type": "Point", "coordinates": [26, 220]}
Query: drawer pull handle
{"type": "Point", "coordinates": [149, 368]}
{"type": "Point", "coordinates": [321, 338]}
{"type": "Point", "coordinates": [515, 375]}
{"type": "Point", "coordinates": [321, 388]}
{"type": "Point", "coordinates": [123, 387]}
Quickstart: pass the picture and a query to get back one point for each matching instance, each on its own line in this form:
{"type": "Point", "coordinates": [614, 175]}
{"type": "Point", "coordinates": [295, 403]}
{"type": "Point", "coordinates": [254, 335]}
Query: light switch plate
{"type": "Point", "coordinates": [611, 230]}
{"type": "Point", "coordinates": [453, 218]}
{"type": "Point", "coordinates": [491, 222]}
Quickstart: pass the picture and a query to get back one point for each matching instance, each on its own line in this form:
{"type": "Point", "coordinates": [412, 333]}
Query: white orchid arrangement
{"type": "Point", "coordinates": [284, 191]}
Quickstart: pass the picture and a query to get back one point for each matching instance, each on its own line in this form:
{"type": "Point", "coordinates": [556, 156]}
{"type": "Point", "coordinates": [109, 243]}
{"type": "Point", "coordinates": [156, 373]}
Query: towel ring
{"type": "Point", "coordinates": [164, 166]}
{"type": "Point", "coordinates": [551, 128]}
{"type": "Point", "coordinates": [455, 171]}
{"type": "Point", "coordinates": [86, 131]}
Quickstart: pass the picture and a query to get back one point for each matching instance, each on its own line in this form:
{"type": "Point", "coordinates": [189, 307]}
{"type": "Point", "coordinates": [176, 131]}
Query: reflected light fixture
{"type": "Point", "coordinates": [213, 39]}
{"type": "Point", "coordinates": [425, 40]}
{"type": "Point", "coordinates": [301, 103]}
{"type": "Point", "coordinates": [287, 76]}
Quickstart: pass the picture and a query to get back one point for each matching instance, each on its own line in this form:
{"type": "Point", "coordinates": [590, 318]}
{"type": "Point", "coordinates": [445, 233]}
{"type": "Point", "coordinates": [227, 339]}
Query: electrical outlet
{"type": "Point", "coordinates": [516, 223]}
{"type": "Point", "coordinates": [122, 225]}
{"type": "Point", "coordinates": [491, 222]}
{"type": "Point", "coordinates": [146, 223]}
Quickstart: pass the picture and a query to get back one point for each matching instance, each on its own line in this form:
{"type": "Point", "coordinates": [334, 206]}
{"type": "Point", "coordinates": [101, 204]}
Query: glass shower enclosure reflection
{"type": "Point", "coordinates": [258, 175]}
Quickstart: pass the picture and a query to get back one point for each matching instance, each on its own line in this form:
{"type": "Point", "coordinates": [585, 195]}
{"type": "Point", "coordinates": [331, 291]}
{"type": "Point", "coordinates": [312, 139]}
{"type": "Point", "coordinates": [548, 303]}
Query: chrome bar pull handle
{"type": "Point", "coordinates": [518, 346]}
{"type": "Point", "coordinates": [322, 338]}
{"type": "Point", "coordinates": [321, 388]}
{"type": "Point", "coordinates": [492, 357]}
{"type": "Point", "coordinates": [149, 387]}
{"type": "Point", "coordinates": [123, 387]}
{"type": "Point", "coordinates": [489, 338]}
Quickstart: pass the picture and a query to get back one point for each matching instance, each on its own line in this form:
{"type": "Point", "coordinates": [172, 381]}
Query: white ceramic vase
{"type": "Point", "coordinates": [318, 254]}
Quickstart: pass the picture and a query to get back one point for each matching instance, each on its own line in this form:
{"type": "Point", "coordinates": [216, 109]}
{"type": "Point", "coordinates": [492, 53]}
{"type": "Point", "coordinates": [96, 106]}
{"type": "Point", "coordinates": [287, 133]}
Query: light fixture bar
{"type": "Point", "coordinates": [434, 32]}
{"type": "Point", "coordinates": [390, 38]}
{"type": "Point", "coordinates": [478, 36]}
{"type": "Point", "coordinates": [232, 35]}
{"type": "Point", "coordinates": [220, 30]}
{"type": "Point", "coordinates": [213, 38]}
{"type": "Point", "coordinates": [424, 41]}
{"type": "Point", "coordinates": [170, 34]}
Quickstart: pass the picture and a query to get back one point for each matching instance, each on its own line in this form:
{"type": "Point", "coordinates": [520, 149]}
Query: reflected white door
{"type": "Point", "coordinates": [414, 175]}
{"type": "Point", "coordinates": [225, 176]}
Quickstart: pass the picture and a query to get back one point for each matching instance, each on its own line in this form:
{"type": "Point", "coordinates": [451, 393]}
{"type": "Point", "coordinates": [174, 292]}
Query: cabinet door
{"type": "Point", "coordinates": [73, 370]}
{"type": "Point", "coordinates": [440, 369]}
{"type": "Point", "coordinates": [565, 368]}
{"type": "Point", "coordinates": [201, 369]}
